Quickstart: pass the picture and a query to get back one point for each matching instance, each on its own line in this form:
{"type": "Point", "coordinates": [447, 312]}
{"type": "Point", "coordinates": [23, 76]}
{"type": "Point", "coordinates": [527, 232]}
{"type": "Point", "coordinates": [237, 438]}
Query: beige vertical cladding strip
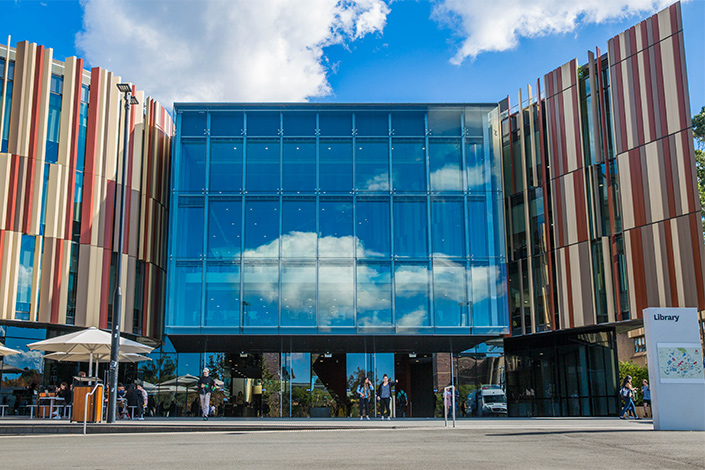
{"type": "Point", "coordinates": [44, 95]}
{"type": "Point", "coordinates": [573, 252]}
{"type": "Point", "coordinates": [587, 284]}
{"type": "Point", "coordinates": [609, 280]}
{"type": "Point", "coordinates": [678, 261]}
{"type": "Point", "coordinates": [67, 112]}
{"type": "Point", "coordinates": [101, 188]}
{"type": "Point", "coordinates": [630, 272]}
{"type": "Point", "coordinates": [679, 155]}
{"type": "Point", "coordinates": [649, 254]}
{"type": "Point", "coordinates": [646, 112]}
{"type": "Point", "coordinates": [627, 196]}
{"type": "Point", "coordinates": [570, 209]}
{"type": "Point", "coordinates": [103, 81]}
{"type": "Point", "coordinates": [113, 127]}
{"type": "Point", "coordinates": [53, 209]}
{"type": "Point", "coordinates": [36, 279]}
{"type": "Point", "coordinates": [138, 141]}
{"type": "Point", "coordinates": [126, 274]}
{"type": "Point", "coordinates": [661, 260]}
{"type": "Point", "coordinates": [15, 247]}
{"type": "Point", "coordinates": [5, 168]}
{"type": "Point", "coordinates": [129, 294]}
{"type": "Point", "coordinates": [687, 262]}
{"type": "Point", "coordinates": [85, 278]}
{"type": "Point", "coordinates": [627, 103]}
{"type": "Point", "coordinates": [6, 300]}
{"type": "Point", "coordinates": [94, 286]}
{"type": "Point", "coordinates": [655, 187]}
{"type": "Point", "coordinates": [134, 220]}
{"type": "Point", "coordinates": [18, 135]}
{"type": "Point", "coordinates": [46, 291]}
{"type": "Point", "coordinates": [64, 286]}
{"type": "Point", "coordinates": [669, 86]}
{"type": "Point", "coordinates": [664, 23]}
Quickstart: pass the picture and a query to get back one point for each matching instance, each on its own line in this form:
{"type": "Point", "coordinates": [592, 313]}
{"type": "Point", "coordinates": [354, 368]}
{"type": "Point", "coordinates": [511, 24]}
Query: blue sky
{"type": "Point", "coordinates": [395, 52]}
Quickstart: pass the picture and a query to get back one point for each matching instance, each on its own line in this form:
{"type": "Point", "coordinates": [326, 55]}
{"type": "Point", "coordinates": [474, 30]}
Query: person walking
{"type": "Point", "coordinates": [646, 393]}
{"type": "Point", "coordinates": [384, 395]}
{"type": "Point", "coordinates": [627, 391]}
{"type": "Point", "coordinates": [206, 385]}
{"type": "Point", "coordinates": [401, 403]}
{"type": "Point", "coordinates": [364, 392]}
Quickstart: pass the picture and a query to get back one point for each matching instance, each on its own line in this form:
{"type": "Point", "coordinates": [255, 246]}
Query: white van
{"type": "Point", "coordinates": [488, 400]}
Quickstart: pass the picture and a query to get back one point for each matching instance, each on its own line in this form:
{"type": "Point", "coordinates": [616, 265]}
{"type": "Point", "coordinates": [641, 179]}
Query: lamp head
{"type": "Point", "coordinates": [124, 87]}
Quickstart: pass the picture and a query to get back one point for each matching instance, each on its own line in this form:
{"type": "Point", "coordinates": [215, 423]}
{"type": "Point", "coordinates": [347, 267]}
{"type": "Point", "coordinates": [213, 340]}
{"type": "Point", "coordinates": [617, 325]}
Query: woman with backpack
{"type": "Point", "coordinates": [627, 392]}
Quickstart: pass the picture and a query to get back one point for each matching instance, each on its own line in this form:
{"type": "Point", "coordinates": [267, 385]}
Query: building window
{"type": "Point", "coordinates": [24, 278]}
{"type": "Point", "coordinates": [640, 344]}
{"type": "Point", "coordinates": [8, 102]}
{"type": "Point", "coordinates": [54, 123]}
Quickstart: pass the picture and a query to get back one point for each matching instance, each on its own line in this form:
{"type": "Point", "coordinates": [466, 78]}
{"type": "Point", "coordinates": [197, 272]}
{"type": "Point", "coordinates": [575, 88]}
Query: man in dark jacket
{"type": "Point", "coordinates": [134, 398]}
{"type": "Point", "coordinates": [206, 385]}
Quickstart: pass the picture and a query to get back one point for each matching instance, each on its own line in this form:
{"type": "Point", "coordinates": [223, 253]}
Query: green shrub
{"type": "Point", "coordinates": [638, 374]}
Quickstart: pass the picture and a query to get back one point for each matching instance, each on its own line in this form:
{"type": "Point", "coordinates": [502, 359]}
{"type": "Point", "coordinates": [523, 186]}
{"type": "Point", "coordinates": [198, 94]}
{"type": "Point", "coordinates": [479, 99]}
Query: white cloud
{"type": "Point", "coordinates": [220, 50]}
{"type": "Point", "coordinates": [487, 26]}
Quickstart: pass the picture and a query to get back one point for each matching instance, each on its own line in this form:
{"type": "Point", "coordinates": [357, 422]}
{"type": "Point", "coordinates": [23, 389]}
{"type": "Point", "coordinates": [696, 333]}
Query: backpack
{"type": "Point", "coordinates": [626, 392]}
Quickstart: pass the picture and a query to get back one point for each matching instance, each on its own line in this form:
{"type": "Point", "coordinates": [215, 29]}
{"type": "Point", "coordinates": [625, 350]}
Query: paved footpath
{"type": "Point", "coordinates": [538, 443]}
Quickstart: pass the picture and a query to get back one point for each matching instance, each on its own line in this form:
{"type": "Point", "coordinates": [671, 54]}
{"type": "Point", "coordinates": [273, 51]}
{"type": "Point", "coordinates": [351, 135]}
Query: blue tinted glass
{"type": "Point", "coordinates": [445, 161]}
{"type": "Point", "coordinates": [222, 294]}
{"type": "Point", "coordinates": [373, 228]}
{"type": "Point", "coordinates": [186, 295]}
{"type": "Point", "coordinates": [372, 165]}
{"type": "Point", "coordinates": [335, 124]}
{"type": "Point", "coordinates": [374, 295]}
{"type": "Point", "coordinates": [53, 125]}
{"type": "Point", "coordinates": [45, 185]}
{"type": "Point", "coordinates": [6, 117]}
{"type": "Point", "coordinates": [299, 165]}
{"type": "Point", "coordinates": [262, 229]}
{"type": "Point", "coordinates": [411, 287]}
{"type": "Point", "coordinates": [443, 122]}
{"type": "Point", "coordinates": [486, 285]}
{"type": "Point", "coordinates": [474, 121]}
{"type": "Point", "coordinates": [408, 124]}
{"type": "Point", "coordinates": [24, 280]}
{"type": "Point", "coordinates": [226, 166]}
{"type": "Point", "coordinates": [477, 170]}
{"type": "Point", "coordinates": [260, 297]}
{"type": "Point", "coordinates": [448, 225]}
{"type": "Point", "coordinates": [477, 218]}
{"type": "Point", "coordinates": [57, 84]}
{"type": "Point", "coordinates": [299, 123]}
{"type": "Point", "coordinates": [372, 123]}
{"type": "Point", "coordinates": [262, 166]}
{"type": "Point", "coordinates": [298, 295]}
{"type": "Point", "coordinates": [263, 123]}
{"type": "Point", "coordinates": [335, 219]}
{"type": "Point", "coordinates": [224, 225]}
{"type": "Point", "coordinates": [82, 126]}
{"type": "Point", "coordinates": [227, 123]}
{"type": "Point", "coordinates": [450, 295]}
{"type": "Point", "coordinates": [335, 166]}
{"type": "Point", "coordinates": [192, 172]}
{"type": "Point", "coordinates": [299, 228]}
{"type": "Point", "coordinates": [410, 228]}
{"type": "Point", "coordinates": [409, 165]}
{"type": "Point", "coordinates": [189, 219]}
{"type": "Point", "coordinates": [194, 124]}
{"type": "Point", "coordinates": [335, 295]}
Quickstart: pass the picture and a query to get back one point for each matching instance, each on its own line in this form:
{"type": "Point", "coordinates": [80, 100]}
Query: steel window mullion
{"type": "Point", "coordinates": [392, 245]}
{"type": "Point", "coordinates": [354, 221]}
{"type": "Point", "coordinates": [427, 158]}
{"type": "Point", "coordinates": [206, 208]}
{"type": "Point", "coordinates": [317, 208]}
{"type": "Point", "coordinates": [281, 210]}
{"type": "Point", "coordinates": [243, 222]}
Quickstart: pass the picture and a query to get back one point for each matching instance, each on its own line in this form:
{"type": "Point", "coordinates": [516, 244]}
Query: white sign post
{"type": "Point", "coordinates": [676, 375]}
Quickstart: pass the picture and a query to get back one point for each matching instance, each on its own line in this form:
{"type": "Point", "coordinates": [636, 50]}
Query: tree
{"type": "Point", "coordinates": [699, 137]}
{"type": "Point", "coordinates": [638, 373]}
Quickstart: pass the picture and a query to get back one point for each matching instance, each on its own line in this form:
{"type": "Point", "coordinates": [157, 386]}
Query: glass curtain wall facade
{"type": "Point", "coordinates": [349, 220]}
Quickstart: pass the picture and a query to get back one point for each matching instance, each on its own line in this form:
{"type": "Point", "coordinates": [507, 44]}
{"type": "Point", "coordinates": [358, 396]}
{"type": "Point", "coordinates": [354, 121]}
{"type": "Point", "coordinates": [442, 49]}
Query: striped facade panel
{"type": "Point", "coordinates": [64, 205]}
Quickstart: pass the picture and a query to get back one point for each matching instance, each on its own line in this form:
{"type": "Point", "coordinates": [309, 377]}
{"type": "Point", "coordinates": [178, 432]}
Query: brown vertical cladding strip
{"type": "Point", "coordinates": [690, 183]}
{"type": "Point", "coordinates": [576, 113]}
{"type": "Point", "coordinates": [663, 121]}
{"type": "Point", "coordinates": [128, 182]}
{"type": "Point", "coordinates": [34, 130]}
{"type": "Point", "coordinates": [569, 288]}
{"type": "Point", "coordinates": [89, 180]}
{"type": "Point", "coordinates": [104, 287]}
{"type": "Point", "coordinates": [147, 174]}
{"type": "Point", "coordinates": [697, 256]}
{"type": "Point", "coordinates": [636, 85]}
{"type": "Point", "coordinates": [580, 198]}
{"type": "Point", "coordinates": [648, 86]}
{"type": "Point", "coordinates": [146, 295]}
{"type": "Point", "coordinates": [671, 263]}
{"type": "Point", "coordinates": [109, 215]}
{"type": "Point", "coordinates": [637, 187]}
{"type": "Point", "coordinates": [561, 122]}
{"type": "Point", "coordinates": [55, 301]}
{"type": "Point", "coordinates": [639, 281]}
{"type": "Point", "coordinates": [12, 193]}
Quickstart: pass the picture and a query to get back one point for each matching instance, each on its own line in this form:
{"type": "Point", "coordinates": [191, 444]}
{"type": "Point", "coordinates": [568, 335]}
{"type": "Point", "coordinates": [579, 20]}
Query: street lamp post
{"type": "Point", "coordinates": [126, 89]}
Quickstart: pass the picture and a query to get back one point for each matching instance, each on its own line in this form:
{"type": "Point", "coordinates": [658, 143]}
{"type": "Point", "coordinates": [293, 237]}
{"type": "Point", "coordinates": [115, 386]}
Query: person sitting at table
{"type": "Point", "coordinates": [134, 398]}
{"type": "Point", "coordinates": [122, 402]}
{"type": "Point", "coordinates": [62, 391]}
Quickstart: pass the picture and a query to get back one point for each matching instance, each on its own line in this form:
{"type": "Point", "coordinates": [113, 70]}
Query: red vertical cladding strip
{"type": "Point", "coordinates": [57, 281]}
{"type": "Point", "coordinates": [639, 274]}
{"type": "Point", "coordinates": [667, 166]}
{"type": "Point", "coordinates": [680, 85]}
{"type": "Point", "coordinates": [146, 295]}
{"type": "Point", "coordinates": [91, 153]}
{"type": "Point", "coordinates": [690, 180]}
{"type": "Point", "coordinates": [128, 182]}
{"type": "Point", "coordinates": [2, 247]}
{"type": "Point", "coordinates": [34, 130]}
{"type": "Point", "coordinates": [569, 288]}
{"type": "Point", "coordinates": [663, 120]}
{"type": "Point", "coordinates": [561, 113]}
{"type": "Point", "coordinates": [581, 215]}
{"type": "Point", "coordinates": [697, 256]}
{"type": "Point", "coordinates": [636, 86]}
{"type": "Point", "coordinates": [12, 193]}
{"type": "Point", "coordinates": [671, 264]}
{"type": "Point", "coordinates": [104, 288]}
{"type": "Point", "coordinates": [74, 149]}
{"type": "Point", "coordinates": [576, 113]}
{"type": "Point", "coordinates": [637, 188]}
{"type": "Point", "coordinates": [109, 214]}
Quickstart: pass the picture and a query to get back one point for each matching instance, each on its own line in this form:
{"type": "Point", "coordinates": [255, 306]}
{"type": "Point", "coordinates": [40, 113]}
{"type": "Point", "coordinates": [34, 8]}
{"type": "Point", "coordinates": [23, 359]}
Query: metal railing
{"type": "Point", "coordinates": [446, 390]}
{"type": "Point", "coordinates": [85, 407]}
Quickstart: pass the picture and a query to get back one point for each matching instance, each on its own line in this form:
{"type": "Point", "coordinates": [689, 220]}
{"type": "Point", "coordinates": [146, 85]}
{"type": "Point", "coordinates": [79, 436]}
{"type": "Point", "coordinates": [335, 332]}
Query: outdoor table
{"type": "Point", "coordinates": [51, 404]}
{"type": "Point", "coordinates": [2, 410]}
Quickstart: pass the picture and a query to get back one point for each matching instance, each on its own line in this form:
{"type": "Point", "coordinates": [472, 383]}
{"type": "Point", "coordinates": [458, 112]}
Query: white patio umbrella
{"type": "Point", "coordinates": [91, 341]}
{"type": "Point", "coordinates": [7, 351]}
{"type": "Point", "coordinates": [85, 357]}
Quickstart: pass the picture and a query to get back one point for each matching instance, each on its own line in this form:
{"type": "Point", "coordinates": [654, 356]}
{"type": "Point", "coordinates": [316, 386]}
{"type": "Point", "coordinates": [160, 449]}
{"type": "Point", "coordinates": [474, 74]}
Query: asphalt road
{"type": "Point", "coordinates": [484, 448]}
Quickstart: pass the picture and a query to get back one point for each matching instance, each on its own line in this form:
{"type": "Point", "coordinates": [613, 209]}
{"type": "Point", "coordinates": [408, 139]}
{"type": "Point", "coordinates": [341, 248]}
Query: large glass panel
{"type": "Point", "coordinates": [299, 165]}
{"type": "Point", "coordinates": [260, 297]}
{"type": "Point", "coordinates": [486, 283]}
{"type": "Point", "coordinates": [186, 295]}
{"type": "Point", "coordinates": [227, 123]}
{"type": "Point", "coordinates": [445, 162]}
{"type": "Point", "coordinates": [444, 122]}
{"type": "Point", "coordinates": [408, 124]}
{"type": "Point", "coordinates": [222, 294]}
{"type": "Point", "coordinates": [335, 124]}
{"type": "Point", "coordinates": [410, 228]}
{"type": "Point", "coordinates": [77, 205]}
{"type": "Point", "coordinates": [299, 123]}
{"type": "Point", "coordinates": [224, 227]}
{"type": "Point", "coordinates": [298, 295]}
{"type": "Point", "coordinates": [448, 226]}
{"type": "Point", "coordinates": [411, 287]}
{"type": "Point", "coordinates": [477, 218]}
{"type": "Point", "coordinates": [82, 129]}
{"type": "Point", "coordinates": [54, 122]}
{"type": "Point", "coordinates": [189, 220]}
{"type": "Point", "coordinates": [6, 117]}
{"type": "Point", "coordinates": [373, 228]}
{"type": "Point", "coordinates": [262, 166]}
{"type": "Point", "coordinates": [477, 169]}
{"type": "Point", "coordinates": [335, 225]}
{"type": "Point", "coordinates": [262, 229]}
{"type": "Point", "coordinates": [474, 121]}
{"type": "Point", "coordinates": [263, 123]}
{"type": "Point", "coordinates": [335, 166]}
{"type": "Point", "coordinates": [335, 295]}
{"type": "Point", "coordinates": [372, 165]}
{"type": "Point", "coordinates": [372, 123]}
{"type": "Point", "coordinates": [24, 278]}
{"type": "Point", "coordinates": [194, 124]}
{"type": "Point", "coordinates": [192, 170]}
{"type": "Point", "coordinates": [226, 166]}
{"type": "Point", "coordinates": [409, 165]}
{"type": "Point", "coordinates": [374, 295]}
{"type": "Point", "coordinates": [299, 228]}
{"type": "Point", "coordinates": [450, 294]}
